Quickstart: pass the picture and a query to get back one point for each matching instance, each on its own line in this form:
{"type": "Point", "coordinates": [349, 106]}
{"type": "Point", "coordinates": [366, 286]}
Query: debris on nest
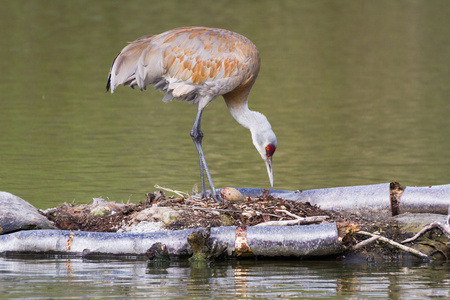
{"type": "Point", "coordinates": [182, 213]}
{"type": "Point", "coordinates": [249, 212]}
{"type": "Point", "coordinates": [159, 212]}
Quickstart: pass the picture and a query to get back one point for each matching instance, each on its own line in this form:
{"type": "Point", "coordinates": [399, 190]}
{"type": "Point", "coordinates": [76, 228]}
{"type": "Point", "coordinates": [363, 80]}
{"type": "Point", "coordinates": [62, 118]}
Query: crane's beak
{"type": "Point", "coordinates": [268, 161]}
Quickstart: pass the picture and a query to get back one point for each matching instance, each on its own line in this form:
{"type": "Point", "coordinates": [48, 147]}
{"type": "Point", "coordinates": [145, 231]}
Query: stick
{"type": "Point", "coordinates": [445, 228]}
{"type": "Point", "coordinates": [395, 244]}
{"type": "Point", "coordinates": [307, 220]}
{"type": "Point", "coordinates": [179, 193]}
{"type": "Point", "coordinates": [365, 242]}
{"type": "Point", "coordinates": [289, 213]}
{"type": "Point", "coordinates": [230, 210]}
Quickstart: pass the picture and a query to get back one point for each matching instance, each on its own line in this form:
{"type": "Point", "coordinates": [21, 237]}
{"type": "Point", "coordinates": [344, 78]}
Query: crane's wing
{"type": "Point", "coordinates": [187, 63]}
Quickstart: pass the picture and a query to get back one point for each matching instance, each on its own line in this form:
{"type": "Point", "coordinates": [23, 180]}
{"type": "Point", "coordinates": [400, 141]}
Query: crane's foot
{"type": "Point", "coordinates": [210, 195]}
{"type": "Point", "coordinates": [217, 198]}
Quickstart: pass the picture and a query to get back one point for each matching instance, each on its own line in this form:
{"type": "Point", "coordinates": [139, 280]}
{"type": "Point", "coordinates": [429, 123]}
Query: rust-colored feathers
{"type": "Point", "coordinates": [188, 63]}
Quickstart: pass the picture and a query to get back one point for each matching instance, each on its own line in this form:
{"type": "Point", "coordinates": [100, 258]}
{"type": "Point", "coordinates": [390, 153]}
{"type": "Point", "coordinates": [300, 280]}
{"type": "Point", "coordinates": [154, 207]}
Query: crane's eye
{"type": "Point", "coordinates": [270, 149]}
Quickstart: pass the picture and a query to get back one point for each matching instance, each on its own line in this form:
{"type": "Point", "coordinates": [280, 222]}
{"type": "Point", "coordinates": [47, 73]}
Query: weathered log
{"type": "Point", "coordinates": [279, 241]}
{"type": "Point", "coordinates": [430, 199]}
{"type": "Point", "coordinates": [386, 198]}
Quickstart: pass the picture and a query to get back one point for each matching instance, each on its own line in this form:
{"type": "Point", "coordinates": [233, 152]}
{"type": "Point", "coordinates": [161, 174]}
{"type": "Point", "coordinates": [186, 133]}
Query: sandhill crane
{"type": "Point", "coordinates": [198, 64]}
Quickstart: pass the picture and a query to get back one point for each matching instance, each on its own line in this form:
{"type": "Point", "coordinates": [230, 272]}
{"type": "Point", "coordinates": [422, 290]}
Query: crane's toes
{"type": "Point", "coordinates": [217, 198]}
{"type": "Point", "coordinates": [211, 195]}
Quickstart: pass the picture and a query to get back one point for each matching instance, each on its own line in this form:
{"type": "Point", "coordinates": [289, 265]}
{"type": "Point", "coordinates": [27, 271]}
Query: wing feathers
{"type": "Point", "coordinates": [187, 63]}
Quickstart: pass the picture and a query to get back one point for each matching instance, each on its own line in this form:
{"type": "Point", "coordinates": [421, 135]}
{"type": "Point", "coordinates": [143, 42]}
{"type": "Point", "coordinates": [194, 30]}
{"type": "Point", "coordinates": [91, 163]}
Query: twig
{"type": "Point", "coordinates": [300, 221]}
{"type": "Point", "coordinates": [289, 213]}
{"type": "Point", "coordinates": [255, 212]}
{"type": "Point", "coordinates": [395, 244]}
{"type": "Point", "coordinates": [280, 223]}
{"type": "Point", "coordinates": [194, 201]}
{"type": "Point", "coordinates": [445, 228]}
{"type": "Point", "coordinates": [365, 242]}
{"type": "Point", "coordinates": [230, 210]}
{"type": "Point", "coordinates": [179, 193]}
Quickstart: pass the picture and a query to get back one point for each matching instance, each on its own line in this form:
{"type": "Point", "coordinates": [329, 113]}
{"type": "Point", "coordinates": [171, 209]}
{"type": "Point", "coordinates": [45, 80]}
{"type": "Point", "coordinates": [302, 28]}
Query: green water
{"type": "Point", "coordinates": [356, 91]}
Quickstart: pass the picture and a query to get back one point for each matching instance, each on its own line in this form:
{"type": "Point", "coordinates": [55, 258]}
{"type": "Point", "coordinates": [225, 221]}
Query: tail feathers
{"type": "Point", "coordinates": [168, 97]}
{"type": "Point", "coordinates": [141, 63]}
{"type": "Point", "coordinates": [137, 64]}
{"type": "Point", "coordinates": [108, 84]}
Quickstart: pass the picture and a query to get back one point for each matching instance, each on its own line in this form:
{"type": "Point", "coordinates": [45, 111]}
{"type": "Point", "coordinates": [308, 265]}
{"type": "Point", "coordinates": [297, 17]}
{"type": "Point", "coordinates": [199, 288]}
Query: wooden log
{"type": "Point", "coordinates": [430, 199]}
{"type": "Point", "coordinates": [386, 199]}
{"type": "Point", "coordinates": [278, 241]}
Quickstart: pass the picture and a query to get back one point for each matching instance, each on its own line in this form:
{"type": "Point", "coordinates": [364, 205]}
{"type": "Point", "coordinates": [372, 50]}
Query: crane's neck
{"type": "Point", "coordinates": [263, 137]}
{"type": "Point", "coordinates": [260, 128]}
{"type": "Point", "coordinates": [250, 119]}
{"type": "Point", "coordinates": [237, 102]}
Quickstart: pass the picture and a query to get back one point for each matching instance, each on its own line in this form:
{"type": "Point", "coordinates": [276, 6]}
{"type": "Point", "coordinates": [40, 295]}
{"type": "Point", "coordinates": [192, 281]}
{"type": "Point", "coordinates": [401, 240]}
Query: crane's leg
{"type": "Point", "coordinates": [197, 136]}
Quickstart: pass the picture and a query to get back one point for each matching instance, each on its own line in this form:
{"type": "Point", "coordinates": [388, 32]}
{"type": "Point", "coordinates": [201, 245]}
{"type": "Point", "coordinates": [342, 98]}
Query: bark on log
{"type": "Point", "coordinates": [279, 241]}
{"type": "Point", "coordinates": [432, 199]}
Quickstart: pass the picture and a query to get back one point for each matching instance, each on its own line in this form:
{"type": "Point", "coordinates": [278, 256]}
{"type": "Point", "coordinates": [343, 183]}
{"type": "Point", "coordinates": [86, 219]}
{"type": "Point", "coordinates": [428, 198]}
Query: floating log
{"type": "Point", "coordinates": [431, 199]}
{"type": "Point", "coordinates": [278, 241]}
{"type": "Point", "coordinates": [386, 198]}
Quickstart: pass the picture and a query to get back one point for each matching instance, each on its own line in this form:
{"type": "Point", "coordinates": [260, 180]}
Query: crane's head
{"type": "Point", "coordinates": [265, 142]}
{"type": "Point", "coordinates": [270, 150]}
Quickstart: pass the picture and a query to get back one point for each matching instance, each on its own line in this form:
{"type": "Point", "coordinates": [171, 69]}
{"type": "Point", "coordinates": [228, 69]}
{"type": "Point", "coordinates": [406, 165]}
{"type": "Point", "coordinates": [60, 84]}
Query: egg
{"type": "Point", "coordinates": [231, 194]}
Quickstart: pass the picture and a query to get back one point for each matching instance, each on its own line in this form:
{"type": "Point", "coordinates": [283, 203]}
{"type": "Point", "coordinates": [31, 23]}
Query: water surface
{"type": "Point", "coordinates": [79, 279]}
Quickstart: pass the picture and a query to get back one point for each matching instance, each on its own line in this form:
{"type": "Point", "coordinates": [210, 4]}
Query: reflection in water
{"type": "Point", "coordinates": [62, 278]}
